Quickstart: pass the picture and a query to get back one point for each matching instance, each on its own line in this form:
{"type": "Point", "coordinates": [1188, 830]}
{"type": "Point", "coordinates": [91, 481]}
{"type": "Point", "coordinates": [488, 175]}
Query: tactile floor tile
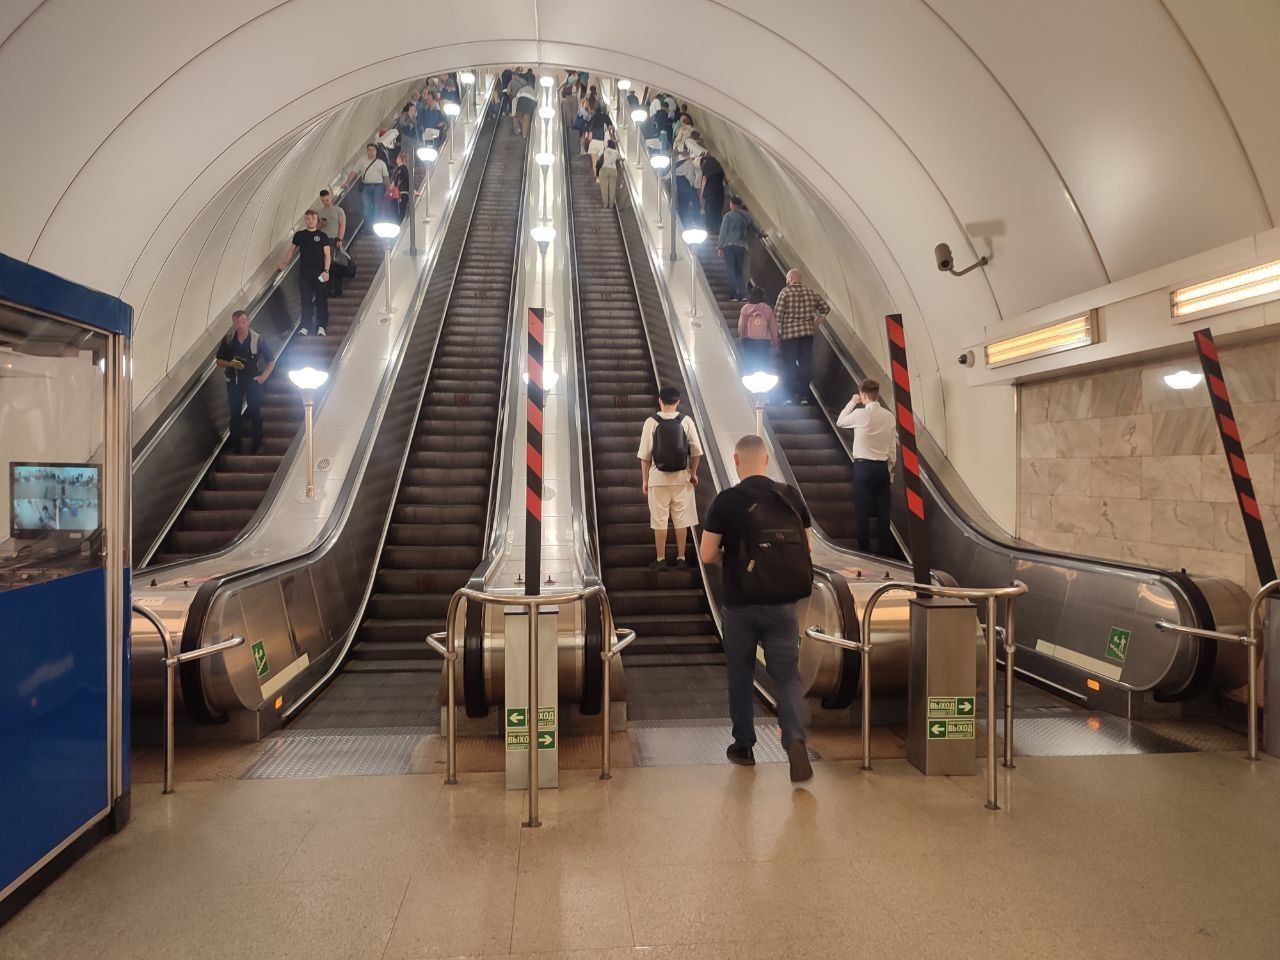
{"type": "Point", "coordinates": [334, 754]}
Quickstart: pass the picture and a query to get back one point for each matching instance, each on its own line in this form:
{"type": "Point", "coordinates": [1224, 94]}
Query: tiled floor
{"type": "Point", "coordinates": [1168, 856]}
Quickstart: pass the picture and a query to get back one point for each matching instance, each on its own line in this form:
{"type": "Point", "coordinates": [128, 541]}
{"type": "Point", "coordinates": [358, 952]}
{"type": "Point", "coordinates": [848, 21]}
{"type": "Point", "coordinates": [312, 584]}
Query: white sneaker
{"type": "Point", "coordinates": [320, 332]}
{"type": "Point", "coordinates": [302, 332]}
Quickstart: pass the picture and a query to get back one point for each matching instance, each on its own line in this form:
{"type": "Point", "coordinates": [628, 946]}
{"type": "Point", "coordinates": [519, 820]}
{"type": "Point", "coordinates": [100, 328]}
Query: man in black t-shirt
{"type": "Point", "coordinates": [746, 621]}
{"type": "Point", "coordinates": [245, 357]}
{"type": "Point", "coordinates": [315, 255]}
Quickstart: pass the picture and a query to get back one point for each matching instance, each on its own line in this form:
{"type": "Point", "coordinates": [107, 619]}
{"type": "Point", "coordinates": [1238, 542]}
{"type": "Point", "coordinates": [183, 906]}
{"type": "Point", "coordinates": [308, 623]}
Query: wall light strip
{"type": "Point", "coordinates": [1257, 281]}
{"type": "Point", "coordinates": [1067, 335]}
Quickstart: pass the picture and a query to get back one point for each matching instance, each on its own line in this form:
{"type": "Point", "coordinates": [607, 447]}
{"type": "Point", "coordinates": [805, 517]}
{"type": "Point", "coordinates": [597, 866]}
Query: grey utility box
{"type": "Point", "coordinates": [942, 687]}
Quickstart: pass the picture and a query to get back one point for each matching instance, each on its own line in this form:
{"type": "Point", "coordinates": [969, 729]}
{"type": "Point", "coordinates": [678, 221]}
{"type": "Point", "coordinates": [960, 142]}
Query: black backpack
{"type": "Point", "coordinates": [776, 566]}
{"type": "Point", "coordinates": [670, 444]}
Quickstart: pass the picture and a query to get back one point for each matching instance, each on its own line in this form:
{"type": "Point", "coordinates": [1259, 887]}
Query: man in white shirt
{"type": "Point", "coordinates": [669, 455]}
{"type": "Point", "coordinates": [873, 439]}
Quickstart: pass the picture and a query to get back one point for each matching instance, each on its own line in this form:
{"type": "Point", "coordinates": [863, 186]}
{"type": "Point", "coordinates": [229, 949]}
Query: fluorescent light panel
{"type": "Point", "coordinates": [1257, 281]}
{"type": "Point", "coordinates": [1067, 335]}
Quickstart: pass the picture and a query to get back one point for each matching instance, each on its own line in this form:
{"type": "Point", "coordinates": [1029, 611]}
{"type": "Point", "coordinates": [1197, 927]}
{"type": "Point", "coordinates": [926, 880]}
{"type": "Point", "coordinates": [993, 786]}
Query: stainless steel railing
{"type": "Point", "coordinates": [1251, 641]}
{"type": "Point", "coordinates": [449, 650]}
{"type": "Point", "coordinates": [171, 663]}
{"type": "Point", "coordinates": [990, 595]}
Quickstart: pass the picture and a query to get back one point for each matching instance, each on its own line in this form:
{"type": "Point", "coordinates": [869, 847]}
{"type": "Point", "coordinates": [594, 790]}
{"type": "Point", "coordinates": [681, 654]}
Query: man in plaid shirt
{"type": "Point", "coordinates": [799, 311]}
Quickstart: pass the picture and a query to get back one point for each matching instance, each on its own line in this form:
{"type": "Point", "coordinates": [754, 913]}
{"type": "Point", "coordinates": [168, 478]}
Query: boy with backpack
{"type": "Point", "coordinates": [761, 530]}
{"type": "Point", "coordinates": [669, 455]}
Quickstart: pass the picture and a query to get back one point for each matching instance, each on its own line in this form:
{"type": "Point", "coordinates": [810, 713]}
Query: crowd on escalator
{"type": "Point", "coordinates": [324, 263]}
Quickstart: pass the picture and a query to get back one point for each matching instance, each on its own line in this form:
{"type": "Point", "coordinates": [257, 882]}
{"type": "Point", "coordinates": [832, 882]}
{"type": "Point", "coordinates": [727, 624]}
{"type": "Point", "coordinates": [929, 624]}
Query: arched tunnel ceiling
{"type": "Point", "coordinates": [1088, 140]}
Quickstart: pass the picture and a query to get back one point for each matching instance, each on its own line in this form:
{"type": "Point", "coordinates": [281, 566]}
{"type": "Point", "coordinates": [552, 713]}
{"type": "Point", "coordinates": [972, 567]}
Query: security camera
{"type": "Point", "coordinates": [947, 264]}
{"type": "Point", "coordinates": [965, 359]}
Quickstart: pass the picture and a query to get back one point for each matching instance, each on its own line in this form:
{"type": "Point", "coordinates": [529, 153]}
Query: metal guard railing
{"type": "Point", "coordinates": [445, 643]}
{"type": "Point", "coordinates": [990, 595]}
{"type": "Point", "coordinates": [171, 663]}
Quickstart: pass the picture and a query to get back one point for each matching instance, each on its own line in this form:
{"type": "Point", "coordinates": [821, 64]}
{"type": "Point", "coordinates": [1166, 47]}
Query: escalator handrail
{"type": "Point", "coordinates": [291, 452]}
{"type": "Point", "coordinates": [982, 525]}
{"type": "Point", "coordinates": [498, 512]}
{"type": "Point", "coordinates": [202, 602]}
{"type": "Point", "coordinates": [586, 461]}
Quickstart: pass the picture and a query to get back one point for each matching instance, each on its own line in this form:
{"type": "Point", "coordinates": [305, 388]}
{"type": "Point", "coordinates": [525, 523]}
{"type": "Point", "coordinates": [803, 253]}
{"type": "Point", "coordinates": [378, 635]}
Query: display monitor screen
{"type": "Point", "coordinates": [53, 500]}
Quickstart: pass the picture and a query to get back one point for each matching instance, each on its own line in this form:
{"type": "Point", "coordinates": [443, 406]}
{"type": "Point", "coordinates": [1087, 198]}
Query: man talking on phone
{"type": "Point", "coordinates": [873, 436]}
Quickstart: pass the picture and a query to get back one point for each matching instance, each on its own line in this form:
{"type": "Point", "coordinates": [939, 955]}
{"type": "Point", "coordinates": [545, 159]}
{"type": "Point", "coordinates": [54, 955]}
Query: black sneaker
{"type": "Point", "coordinates": [798, 754]}
{"type": "Point", "coordinates": [682, 563]}
{"type": "Point", "coordinates": [659, 564]}
{"type": "Point", "coordinates": [742, 756]}
{"type": "Point", "coordinates": [805, 402]}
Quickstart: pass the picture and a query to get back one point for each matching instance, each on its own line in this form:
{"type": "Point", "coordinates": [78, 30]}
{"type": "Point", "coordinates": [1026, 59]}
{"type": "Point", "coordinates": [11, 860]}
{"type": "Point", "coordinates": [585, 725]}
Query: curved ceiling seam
{"type": "Point", "coordinates": [134, 109]}
{"type": "Point", "coordinates": [25, 20]}
{"type": "Point", "coordinates": [1035, 133]}
{"type": "Point", "coordinates": [141, 309]}
{"type": "Point", "coordinates": [275, 195]}
{"type": "Point", "coordinates": [217, 270]}
{"type": "Point", "coordinates": [894, 131]}
{"type": "Point", "coordinates": [252, 180]}
{"type": "Point", "coordinates": [1226, 113]}
{"type": "Point", "coordinates": [230, 146]}
{"type": "Point", "coordinates": [174, 328]}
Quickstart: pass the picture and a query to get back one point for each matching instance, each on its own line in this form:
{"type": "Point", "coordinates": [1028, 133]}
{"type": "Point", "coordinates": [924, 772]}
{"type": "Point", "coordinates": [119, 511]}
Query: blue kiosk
{"type": "Point", "coordinates": [64, 574]}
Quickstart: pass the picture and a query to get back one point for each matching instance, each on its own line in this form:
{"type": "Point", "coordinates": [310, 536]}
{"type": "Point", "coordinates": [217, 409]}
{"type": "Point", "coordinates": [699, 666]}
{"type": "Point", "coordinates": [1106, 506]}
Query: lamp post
{"type": "Point", "coordinates": [547, 83]}
{"type": "Point", "coordinates": [468, 79]}
{"type": "Point", "coordinates": [693, 237]}
{"type": "Point", "coordinates": [659, 162]}
{"type": "Point", "coordinates": [623, 87]}
{"type": "Point", "coordinates": [428, 156]}
{"type": "Point", "coordinates": [760, 382]}
{"type": "Point", "coordinates": [546, 113]}
{"type": "Point", "coordinates": [451, 110]}
{"type": "Point", "coordinates": [544, 160]}
{"type": "Point", "coordinates": [388, 232]}
{"type": "Point", "coordinates": [309, 380]}
{"type": "Point", "coordinates": [638, 116]}
{"type": "Point", "coordinates": [542, 236]}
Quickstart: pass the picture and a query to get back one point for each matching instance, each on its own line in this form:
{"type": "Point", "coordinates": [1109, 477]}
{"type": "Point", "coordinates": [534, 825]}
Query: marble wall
{"type": "Point", "coordinates": [1117, 464]}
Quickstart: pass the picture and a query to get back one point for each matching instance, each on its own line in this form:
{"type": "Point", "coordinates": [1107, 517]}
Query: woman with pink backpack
{"type": "Point", "coordinates": [758, 332]}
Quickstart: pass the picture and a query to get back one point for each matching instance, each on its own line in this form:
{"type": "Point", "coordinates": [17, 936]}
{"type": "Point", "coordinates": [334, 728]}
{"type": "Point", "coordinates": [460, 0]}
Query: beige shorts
{"type": "Point", "coordinates": [673, 502]}
{"type": "Point", "coordinates": [595, 147]}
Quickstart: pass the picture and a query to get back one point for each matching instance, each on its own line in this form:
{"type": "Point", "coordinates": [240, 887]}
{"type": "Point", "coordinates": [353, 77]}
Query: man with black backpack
{"type": "Point", "coordinates": [761, 530]}
{"type": "Point", "coordinates": [669, 454]}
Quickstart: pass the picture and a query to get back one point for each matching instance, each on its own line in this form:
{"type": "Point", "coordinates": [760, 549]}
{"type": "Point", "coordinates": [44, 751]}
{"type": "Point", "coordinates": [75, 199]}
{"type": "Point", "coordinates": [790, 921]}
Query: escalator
{"type": "Point", "coordinates": [434, 541]}
{"type": "Point", "coordinates": [818, 457]}
{"type": "Point", "coordinates": [675, 668]}
{"type": "Point", "coordinates": [236, 483]}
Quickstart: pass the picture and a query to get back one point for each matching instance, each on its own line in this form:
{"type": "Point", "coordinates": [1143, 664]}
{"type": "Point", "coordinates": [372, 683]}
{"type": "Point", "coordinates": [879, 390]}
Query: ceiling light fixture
{"type": "Point", "coordinates": [1234, 288]}
{"type": "Point", "coordinates": [1067, 335]}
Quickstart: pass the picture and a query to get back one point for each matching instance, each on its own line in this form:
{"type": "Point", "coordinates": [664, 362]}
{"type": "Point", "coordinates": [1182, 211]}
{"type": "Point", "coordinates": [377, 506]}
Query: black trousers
{"type": "Point", "coordinates": [797, 366]}
{"type": "Point", "coordinates": [871, 499]}
{"type": "Point", "coordinates": [315, 301]}
{"type": "Point", "coordinates": [246, 397]}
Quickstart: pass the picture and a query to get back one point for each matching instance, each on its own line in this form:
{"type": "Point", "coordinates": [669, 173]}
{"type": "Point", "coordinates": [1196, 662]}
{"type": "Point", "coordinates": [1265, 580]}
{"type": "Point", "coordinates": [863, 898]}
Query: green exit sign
{"type": "Point", "coordinates": [1118, 644]}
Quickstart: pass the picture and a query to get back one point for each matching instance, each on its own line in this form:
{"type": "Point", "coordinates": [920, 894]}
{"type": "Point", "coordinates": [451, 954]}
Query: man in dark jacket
{"type": "Point", "coordinates": [246, 358]}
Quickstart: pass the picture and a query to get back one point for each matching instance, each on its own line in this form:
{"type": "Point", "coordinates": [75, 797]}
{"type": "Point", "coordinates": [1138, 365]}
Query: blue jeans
{"type": "Point", "coordinates": [371, 196]}
{"type": "Point", "coordinates": [735, 264]}
{"type": "Point", "coordinates": [774, 628]}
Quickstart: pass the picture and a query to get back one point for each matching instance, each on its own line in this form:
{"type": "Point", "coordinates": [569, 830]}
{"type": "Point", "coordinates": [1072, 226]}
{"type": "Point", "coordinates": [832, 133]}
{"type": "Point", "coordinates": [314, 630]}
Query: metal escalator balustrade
{"type": "Point", "coordinates": [817, 455]}
{"type": "Point", "coordinates": [676, 642]}
{"type": "Point", "coordinates": [435, 539]}
{"type": "Point", "coordinates": [234, 486]}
